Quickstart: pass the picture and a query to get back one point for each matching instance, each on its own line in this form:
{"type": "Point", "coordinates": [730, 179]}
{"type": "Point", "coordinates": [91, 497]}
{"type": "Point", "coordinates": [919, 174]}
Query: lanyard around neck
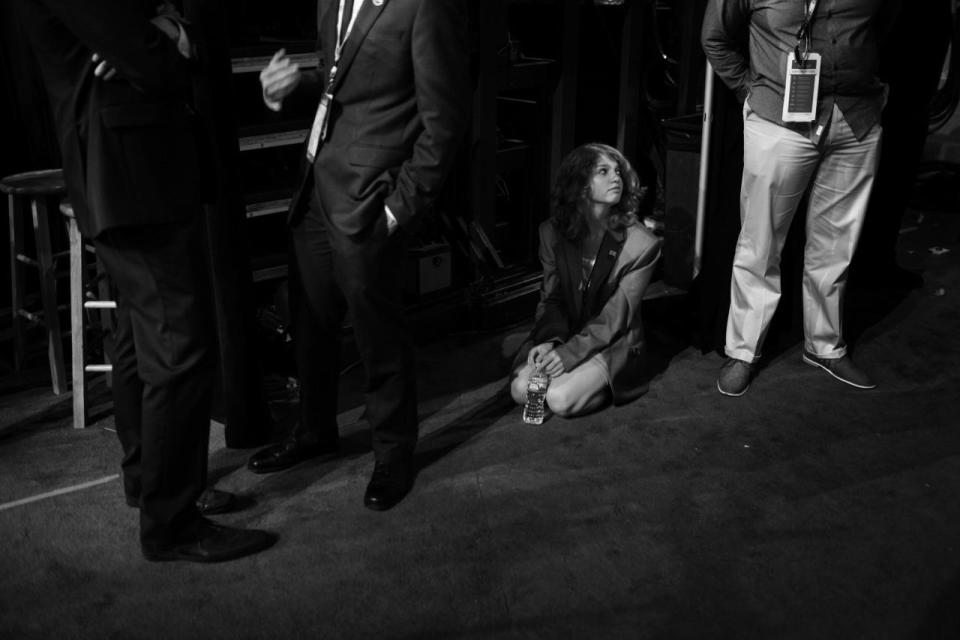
{"type": "Point", "coordinates": [803, 33]}
{"type": "Point", "coordinates": [342, 37]}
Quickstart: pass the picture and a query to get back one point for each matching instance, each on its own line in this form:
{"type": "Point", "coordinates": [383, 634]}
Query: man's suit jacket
{"type": "Point", "coordinates": [604, 318]}
{"type": "Point", "coordinates": [127, 144]}
{"type": "Point", "coordinates": [401, 102]}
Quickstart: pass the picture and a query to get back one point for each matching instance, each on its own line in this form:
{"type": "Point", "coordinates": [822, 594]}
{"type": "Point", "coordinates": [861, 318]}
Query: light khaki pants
{"type": "Point", "coordinates": [778, 165]}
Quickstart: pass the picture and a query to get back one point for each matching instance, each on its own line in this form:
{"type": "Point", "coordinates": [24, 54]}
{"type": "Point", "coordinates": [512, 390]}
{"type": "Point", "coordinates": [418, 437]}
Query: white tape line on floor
{"type": "Point", "coordinates": [58, 492]}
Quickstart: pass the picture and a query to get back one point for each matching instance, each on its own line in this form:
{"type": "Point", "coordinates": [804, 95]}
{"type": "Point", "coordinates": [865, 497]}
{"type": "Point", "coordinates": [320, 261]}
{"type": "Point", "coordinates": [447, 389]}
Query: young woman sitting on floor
{"type": "Point", "coordinates": [597, 261]}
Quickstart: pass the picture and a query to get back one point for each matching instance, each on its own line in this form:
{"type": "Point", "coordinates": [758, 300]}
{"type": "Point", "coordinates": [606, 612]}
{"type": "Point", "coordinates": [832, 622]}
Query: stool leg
{"type": "Point", "coordinates": [107, 323]}
{"type": "Point", "coordinates": [76, 324]}
{"type": "Point", "coordinates": [16, 281]}
{"type": "Point", "coordinates": [48, 293]}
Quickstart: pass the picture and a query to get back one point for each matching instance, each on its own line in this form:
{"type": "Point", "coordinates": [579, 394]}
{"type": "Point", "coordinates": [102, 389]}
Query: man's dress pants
{"type": "Point", "coordinates": [163, 370]}
{"type": "Point", "coordinates": [358, 277]}
{"type": "Point", "coordinates": [778, 166]}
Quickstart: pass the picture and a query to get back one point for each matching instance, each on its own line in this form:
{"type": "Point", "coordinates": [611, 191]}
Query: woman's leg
{"type": "Point", "coordinates": [585, 389]}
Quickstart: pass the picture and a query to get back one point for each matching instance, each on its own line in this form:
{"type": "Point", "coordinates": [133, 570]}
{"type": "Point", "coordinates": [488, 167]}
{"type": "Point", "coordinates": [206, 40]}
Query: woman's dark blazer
{"type": "Point", "coordinates": [605, 318]}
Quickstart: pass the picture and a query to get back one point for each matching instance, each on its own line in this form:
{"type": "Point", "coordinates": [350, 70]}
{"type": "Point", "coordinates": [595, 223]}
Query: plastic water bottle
{"type": "Point", "coordinates": [535, 410]}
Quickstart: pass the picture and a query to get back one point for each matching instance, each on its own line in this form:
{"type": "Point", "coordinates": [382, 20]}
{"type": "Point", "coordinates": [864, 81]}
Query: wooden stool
{"type": "Point", "coordinates": [82, 299]}
{"type": "Point", "coordinates": [38, 192]}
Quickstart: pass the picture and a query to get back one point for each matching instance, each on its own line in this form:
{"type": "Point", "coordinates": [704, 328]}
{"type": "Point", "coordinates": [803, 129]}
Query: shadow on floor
{"type": "Point", "coordinates": [445, 439]}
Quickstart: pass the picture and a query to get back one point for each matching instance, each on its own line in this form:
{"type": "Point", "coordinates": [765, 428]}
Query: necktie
{"type": "Point", "coordinates": [345, 20]}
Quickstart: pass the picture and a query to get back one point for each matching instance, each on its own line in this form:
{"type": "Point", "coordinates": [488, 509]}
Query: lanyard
{"type": "Point", "coordinates": [803, 34]}
{"type": "Point", "coordinates": [342, 37]}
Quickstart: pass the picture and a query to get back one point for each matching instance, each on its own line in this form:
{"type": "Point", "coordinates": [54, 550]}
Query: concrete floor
{"type": "Point", "coordinates": [804, 509]}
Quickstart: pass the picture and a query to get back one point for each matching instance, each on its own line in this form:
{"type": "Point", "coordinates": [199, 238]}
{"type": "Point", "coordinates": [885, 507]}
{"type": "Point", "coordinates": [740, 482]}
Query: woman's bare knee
{"type": "Point", "coordinates": [560, 402]}
{"type": "Point", "coordinates": [518, 384]}
{"type": "Point", "coordinates": [518, 391]}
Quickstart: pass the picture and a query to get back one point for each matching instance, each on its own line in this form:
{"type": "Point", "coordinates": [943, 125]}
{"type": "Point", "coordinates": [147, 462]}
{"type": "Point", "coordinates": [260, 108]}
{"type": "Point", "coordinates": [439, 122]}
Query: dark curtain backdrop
{"type": "Point", "coordinates": [242, 403]}
{"type": "Point", "coordinates": [912, 70]}
{"type": "Point", "coordinates": [27, 138]}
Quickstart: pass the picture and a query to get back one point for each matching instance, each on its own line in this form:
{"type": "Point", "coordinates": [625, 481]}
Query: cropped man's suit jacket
{"type": "Point", "coordinates": [401, 99]}
{"type": "Point", "coordinates": [128, 144]}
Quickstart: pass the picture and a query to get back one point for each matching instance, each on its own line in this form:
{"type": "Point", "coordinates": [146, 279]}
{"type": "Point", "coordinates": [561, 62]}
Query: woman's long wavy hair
{"type": "Point", "coordinates": [569, 199]}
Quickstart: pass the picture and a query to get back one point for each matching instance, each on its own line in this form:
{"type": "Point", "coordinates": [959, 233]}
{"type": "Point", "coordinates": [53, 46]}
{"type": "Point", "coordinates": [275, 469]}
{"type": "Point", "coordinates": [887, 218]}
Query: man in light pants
{"type": "Point", "coordinates": [812, 105]}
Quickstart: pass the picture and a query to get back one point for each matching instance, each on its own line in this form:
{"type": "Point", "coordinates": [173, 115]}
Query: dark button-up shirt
{"type": "Point", "coordinates": [747, 42]}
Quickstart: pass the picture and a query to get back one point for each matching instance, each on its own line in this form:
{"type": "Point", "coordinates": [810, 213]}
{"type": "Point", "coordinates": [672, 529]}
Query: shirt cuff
{"type": "Point", "coordinates": [273, 105]}
{"type": "Point", "coordinates": [168, 24]}
{"type": "Point", "coordinates": [183, 43]}
{"type": "Point", "coordinates": [391, 219]}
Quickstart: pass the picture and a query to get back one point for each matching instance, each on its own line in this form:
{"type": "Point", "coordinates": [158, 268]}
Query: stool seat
{"type": "Point", "coordinates": [47, 182]}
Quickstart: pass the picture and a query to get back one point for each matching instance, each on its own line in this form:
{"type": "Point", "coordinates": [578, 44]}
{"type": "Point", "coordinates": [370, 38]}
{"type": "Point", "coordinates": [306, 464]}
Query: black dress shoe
{"type": "Point", "coordinates": [287, 453]}
{"type": "Point", "coordinates": [388, 485]}
{"type": "Point", "coordinates": [210, 503]}
{"type": "Point", "coordinates": [214, 501]}
{"type": "Point", "coordinates": [211, 542]}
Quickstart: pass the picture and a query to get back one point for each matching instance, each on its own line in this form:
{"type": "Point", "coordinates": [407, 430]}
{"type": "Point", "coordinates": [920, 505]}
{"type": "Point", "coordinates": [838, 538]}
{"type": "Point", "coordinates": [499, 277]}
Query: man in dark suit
{"type": "Point", "coordinates": [117, 76]}
{"type": "Point", "coordinates": [392, 98]}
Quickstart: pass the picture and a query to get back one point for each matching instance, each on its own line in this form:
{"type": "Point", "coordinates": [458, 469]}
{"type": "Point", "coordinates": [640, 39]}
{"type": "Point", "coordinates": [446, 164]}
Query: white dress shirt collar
{"type": "Point", "coordinates": [356, 9]}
